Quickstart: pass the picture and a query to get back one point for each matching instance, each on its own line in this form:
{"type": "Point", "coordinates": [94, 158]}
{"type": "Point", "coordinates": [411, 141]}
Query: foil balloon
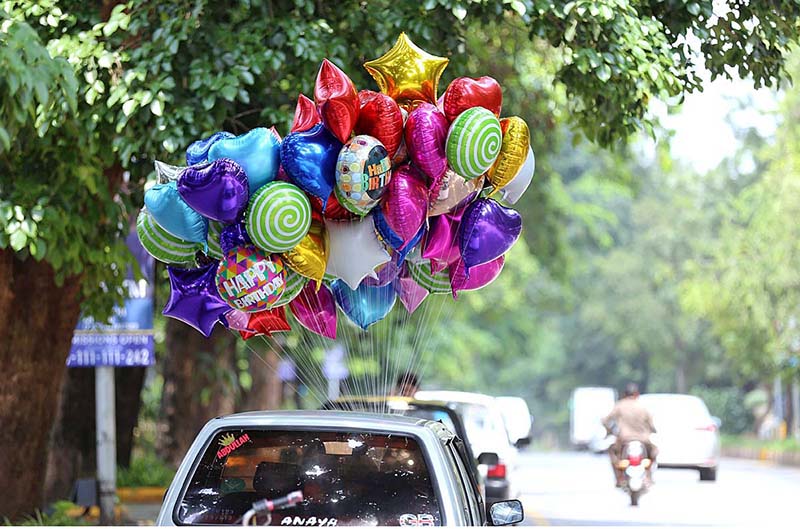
{"type": "Point", "coordinates": [410, 293]}
{"type": "Point", "coordinates": [478, 277]}
{"type": "Point", "coordinates": [385, 233]}
{"type": "Point", "coordinates": [354, 250]}
{"type": "Point", "coordinates": [310, 257]}
{"type": "Point", "coordinates": [316, 310]}
{"type": "Point", "coordinates": [213, 248]}
{"type": "Point", "coordinates": [473, 142]}
{"type": "Point", "coordinates": [305, 114]}
{"type": "Point", "coordinates": [363, 171]}
{"type": "Point", "coordinates": [514, 190]}
{"type": "Point", "coordinates": [294, 285]}
{"type": "Point", "coordinates": [197, 152]}
{"type": "Point", "coordinates": [333, 210]}
{"type": "Point", "coordinates": [258, 152]}
{"type": "Point", "coordinates": [337, 100]}
{"type": "Point", "coordinates": [426, 138]}
{"type": "Point", "coordinates": [278, 217]}
{"type": "Point", "coordinates": [465, 93]}
{"type": "Point", "coordinates": [217, 190]}
{"type": "Point", "coordinates": [365, 305]}
{"type": "Point", "coordinates": [433, 282]}
{"type": "Point", "coordinates": [441, 244]}
{"type": "Point", "coordinates": [193, 298]}
{"type": "Point", "coordinates": [309, 158]}
{"type": "Point", "coordinates": [172, 213]}
{"type": "Point", "coordinates": [406, 73]}
{"type": "Point", "coordinates": [405, 206]}
{"type": "Point", "coordinates": [385, 275]}
{"type": "Point", "coordinates": [453, 193]}
{"type": "Point", "coordinates": [230, 237]}
{"type": "Point", "coordinates": [381, 118]}
{"type": "Point", "coordinates": [236, 320]}
{"type": "Point", "coordinates": [266, 322]}
{"type": "Point", "coordinates": [487, 231]}
{"type": "Point", "coordinates": [250, 280]}
{"type": "Point", "coordinates": [401, 156]}
{"type": "Point", "coordinates": [513, 152]}
{"type": "Point", "coordinates": [163, 245]}
{"type": "Point", "coordinates": [400, 255]}
{"type": "Point", "coordinates": [166, 173]}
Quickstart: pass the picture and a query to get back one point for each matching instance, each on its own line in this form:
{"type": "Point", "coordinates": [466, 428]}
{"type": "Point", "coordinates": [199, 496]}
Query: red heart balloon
{"type": "Point", "coordinates": [466, 92]}
{"type": "Point", "coordinates": [380, 117]}
{"type": "Point", "coordinates": [337, 100]}
{"type": "Point", "coordinates": [305, 114]}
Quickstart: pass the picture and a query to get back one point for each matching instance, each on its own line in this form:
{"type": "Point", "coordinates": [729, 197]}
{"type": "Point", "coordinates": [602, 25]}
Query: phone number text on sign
{"type": "Point", "coordinates": [123, 350]}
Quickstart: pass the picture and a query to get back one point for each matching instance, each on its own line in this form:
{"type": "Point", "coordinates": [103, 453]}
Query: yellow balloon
{"type": "Point", "coordinates": [310, 257]}
{"type": "Point", "coordinates": [407, 73]}
{"type": "Point", "coordinates": [513, 152]}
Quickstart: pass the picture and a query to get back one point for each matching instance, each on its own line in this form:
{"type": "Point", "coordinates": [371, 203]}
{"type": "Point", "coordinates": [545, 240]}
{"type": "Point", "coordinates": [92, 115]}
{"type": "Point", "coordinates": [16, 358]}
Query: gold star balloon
{"type": "Point", "coordinates": [407, 73]}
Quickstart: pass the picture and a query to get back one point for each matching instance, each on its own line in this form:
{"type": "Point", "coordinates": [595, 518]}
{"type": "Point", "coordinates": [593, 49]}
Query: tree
{"type": "Point", "coordinates": [92, 93]}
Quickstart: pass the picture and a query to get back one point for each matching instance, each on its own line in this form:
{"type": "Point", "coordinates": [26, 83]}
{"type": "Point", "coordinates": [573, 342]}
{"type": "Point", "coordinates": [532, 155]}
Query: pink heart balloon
{"type": "Point", "coordinates": [479, 276]}
{"type": "Point", "coordinates": [316, 310]}
{"type": "Point", "coordinates": [411, 294]}
{"type": "Point", "coordinates": [426, 138]}
{"type": "Point", "coordinates": [441, 243]}
{"type": "Point", "coordinates": [405, 203]}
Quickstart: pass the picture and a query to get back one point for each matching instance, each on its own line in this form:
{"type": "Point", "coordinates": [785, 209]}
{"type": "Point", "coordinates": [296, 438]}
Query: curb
{"type": "Point", "coordinates": [762, 454]}
{"type": "Point", "coordinates": [141, 494]}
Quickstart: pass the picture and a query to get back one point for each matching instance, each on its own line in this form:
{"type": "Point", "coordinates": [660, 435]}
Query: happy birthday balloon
{"type": "Point", "coordinates": [465, 93]}
{"type": "Point", "coordinates": [305, 115]}
{"type": "Point", "coordinates": [405, 206]}
{"type": "Point", "coordinates": [316, 310]}
{"type": "Point", "coordinates": [250, 280]}
{"type": "Point", "coordinates": [163, 245]}
{"type": "Point", "coordinates": [197, 152]}
{"type": "Point", "coordinates": [381, 118]}
{"type": "Point", "coordinates": [479, 276]}
{"type": "Point", "coordinates": [453, 193]}
{"type": "Point", "coordinates": [337, 100]}
{"type": "Point", "coordinates": [194, 299]}
{"type": "Point", "coordinates": [172, 213]}
{"type": "Point", "coordinates": [258, 152]}
{"type": "Point", "coordinates": [354, 250]}
{"type": "Point", "coordinates": [310, 257]}
{"type": "Point", "coordinates": [363, 170]}
{"type": "Point", "coordinates": [217, 190]}
{"type": "Point", "coordinates": [487, 231]}
{"type": "Point", "coordinates": [365, 305]}
{"type": "Point", "coordinates": [278, 217]}
{"type": "Point", "coordinates": [473, 142]}
{"type": "Point", "coordinates": [513, 152]}
{"type": "Point", "coordinates": [309, 158]}
{"type": "Point", "coordinates": [426, 137]}
{"type": "Point", "coordinates": [514, 190]}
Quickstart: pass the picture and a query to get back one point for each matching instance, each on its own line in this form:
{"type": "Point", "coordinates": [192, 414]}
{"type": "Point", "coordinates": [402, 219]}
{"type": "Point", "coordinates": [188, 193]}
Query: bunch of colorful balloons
{"type": "Point", "coordinates": [373, 196]}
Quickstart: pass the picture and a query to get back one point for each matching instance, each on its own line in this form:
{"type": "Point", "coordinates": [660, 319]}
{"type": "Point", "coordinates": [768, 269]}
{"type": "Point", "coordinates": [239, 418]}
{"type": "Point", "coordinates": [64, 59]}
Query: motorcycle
{"type": "Point", "coordinates": [637, 470]}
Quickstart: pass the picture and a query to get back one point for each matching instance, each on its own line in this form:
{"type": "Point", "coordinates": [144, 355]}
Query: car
{"type": "Point", "coordinates": [588, 407]}
{"type": "Point", "coordinates": [687, 436]}
{"type": "Point", "coordinates": [517, 418]}
{"type": "Point", "coordinates": [486, 431]}
{"type": "Point", "coordinates": [326, 468]}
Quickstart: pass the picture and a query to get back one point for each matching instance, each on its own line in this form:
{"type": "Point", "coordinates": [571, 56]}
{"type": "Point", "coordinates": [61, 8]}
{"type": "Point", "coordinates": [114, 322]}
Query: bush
{"type": "Point", "coordinates": [729, 405]}
{"type": "Point", "coordinates": [58, 515]}
{"type": "Point", "coordinates": [145, 471]}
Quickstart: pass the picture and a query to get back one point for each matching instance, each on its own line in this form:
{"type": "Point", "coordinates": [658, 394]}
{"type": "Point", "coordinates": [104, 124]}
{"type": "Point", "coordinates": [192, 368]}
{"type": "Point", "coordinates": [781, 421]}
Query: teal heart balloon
{"type": "Point", "coordinates": [173, 214]}
{"type": "Point", "coordinates": [365, 305]}
{"type": "Point", "coordinates": [258, 152]}
{"type": "Point", "coordinates": [278, 217]}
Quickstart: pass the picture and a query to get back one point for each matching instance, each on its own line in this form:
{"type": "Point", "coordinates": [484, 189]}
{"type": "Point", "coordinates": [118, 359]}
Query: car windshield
{"type": "Point", "coordinates": [346, 478]}
{"type": "Point", "coordinates": [482, 425]}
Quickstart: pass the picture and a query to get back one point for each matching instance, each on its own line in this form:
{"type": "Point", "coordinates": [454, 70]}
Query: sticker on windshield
{"type": "Point", "coordinates": [311, 521]}
{"type": "Point", "coordinates": [229, 443]}
{"type": "Point", "coordinates": [417, 520]}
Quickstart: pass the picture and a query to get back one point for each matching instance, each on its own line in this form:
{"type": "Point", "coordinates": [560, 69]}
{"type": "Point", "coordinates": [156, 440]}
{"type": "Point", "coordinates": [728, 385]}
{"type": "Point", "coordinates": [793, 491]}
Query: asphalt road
{"type": "Point", "coordinates": [566, 488]}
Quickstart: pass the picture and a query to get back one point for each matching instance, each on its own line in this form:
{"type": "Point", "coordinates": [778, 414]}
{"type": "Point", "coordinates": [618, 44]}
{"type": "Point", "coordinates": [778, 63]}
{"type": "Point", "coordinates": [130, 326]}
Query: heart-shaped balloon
{"type": "Point", "coordinates": [466, 92]}
{"type": "Point", "coordinates": [166, 173]}
{"type": "Point", "coordinates": [405, 204]}
{"type": "Point", "coordinates": [488, 230]}
{"type": "Point", "coordinates": [333, 210]}
{"type": "Point", "coordinates": [426, 138]}
{"type": "Point", "coordinates": [380, 117]}
{"type": "Point", "coordinates": [172, 213]}
{"type": "Point", "coordinates": [453, 193]}
{"type": "Point", "coordinates": [479, 276]}
{"type": "Point", "coordinates": [513, 152]}
{"type": "Point", "coordinates": [354, 250]}
{"type": "Point", "coordinates": [258, 152]}
{"type": "Point", "coordinates": [441, 245]}
{"type": "Point", "coordinates": [197, 152]}
{"type": "Point", "coordinates": [337, 100]}
{"type": "Point", "coordinates": [385, 275]}
{"type": "Point", "coordinates": [316, 310]}
{"type": "Point", "coordinates": [305, 114]}
{"type": "Point", "coordinates": [217, 190]}
{"type": "Point", "coordinates": [233, 236]}
{"type": "Point", "coordinates": [399, 256]}
{"type": "Point", "coordinates": [411, 294]}
{"type": "Point", "coordinates": [365, 305]}
{"type": "Point", "coordinates": [514, 190]}
{"type": "Point", "coordinates": [309, 158]}
{"type": "Point", "coordinates": [310, 257]}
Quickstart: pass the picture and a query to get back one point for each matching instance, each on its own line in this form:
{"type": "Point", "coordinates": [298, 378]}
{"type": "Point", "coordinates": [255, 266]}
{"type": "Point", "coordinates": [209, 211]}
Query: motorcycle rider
{"type": "Point", "coordinates": [631, 422]}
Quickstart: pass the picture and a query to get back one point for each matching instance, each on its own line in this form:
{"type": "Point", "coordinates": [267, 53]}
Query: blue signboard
{"type": "Point", "coordinates": [127, 339]}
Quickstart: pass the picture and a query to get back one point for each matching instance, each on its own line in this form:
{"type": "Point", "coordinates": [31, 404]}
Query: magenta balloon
{"type": "Point", "coordinates": [316, 310]}
{"type": "Point", "coordinates": [426, 137]}
{"type": "Point", "coordinates": [405, 203]}
{"type": "Point", "coordinates": [479, 276]}
{"type": "Point", "coordinates": [441, 244]}
{"type": "Point", "coordinates": [410, 292]}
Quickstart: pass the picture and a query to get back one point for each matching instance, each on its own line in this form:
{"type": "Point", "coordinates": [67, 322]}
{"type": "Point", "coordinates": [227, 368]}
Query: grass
{"type": "Point", "coordinates": [145, 471]}
{"type": "Point", "coordinates": [773, 445]}
{"type": "Point", "coordinates": [58, 516]}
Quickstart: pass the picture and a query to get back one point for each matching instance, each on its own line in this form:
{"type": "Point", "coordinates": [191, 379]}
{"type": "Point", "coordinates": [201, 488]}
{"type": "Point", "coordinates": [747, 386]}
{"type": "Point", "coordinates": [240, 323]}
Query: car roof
{"type": "Point", "coordinates": [411, 401]}
{"type": "Point", "coordinates": [456, 396]}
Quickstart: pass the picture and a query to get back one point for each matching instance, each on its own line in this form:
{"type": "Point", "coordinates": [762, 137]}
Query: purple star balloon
{"type": "Point", "coordinates": [194, 299]}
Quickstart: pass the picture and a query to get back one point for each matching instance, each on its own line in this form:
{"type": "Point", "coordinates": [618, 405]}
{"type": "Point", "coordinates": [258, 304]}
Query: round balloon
{"type": "Point", "coordinates": [294, 285]}
{"type": "Point", "coordinates": [473, 142]}
{"type": "Point", "coordinates": [363, 171]}
{"type": "Point", "coordinates": [161, 244]}
{"type": "Point", "coordinates": [278, 217]}
{"type": "Point", "coordinates": [214, 249]}
{"type": "Point", "coordinates": [438, 283]}
{"type": "Point", "coordinates": [250, 280]}
{"type": "Point", "coordinates": [513, 152]}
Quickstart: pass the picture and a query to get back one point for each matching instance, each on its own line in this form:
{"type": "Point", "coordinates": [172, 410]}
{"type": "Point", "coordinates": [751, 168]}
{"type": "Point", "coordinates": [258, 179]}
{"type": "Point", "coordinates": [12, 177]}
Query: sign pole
{"type": "Point", "coordinates": [106, 442]}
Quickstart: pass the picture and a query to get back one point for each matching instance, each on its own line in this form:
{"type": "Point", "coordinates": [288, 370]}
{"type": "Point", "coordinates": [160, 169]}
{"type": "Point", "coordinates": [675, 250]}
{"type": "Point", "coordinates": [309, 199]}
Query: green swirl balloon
{"type": "Point", "coordinates": [473, 142]}
{"type": "Point", "coordinates": [214, 249]}
{"type": "Point", "coordinates": [163, 245]}
{"type": "Point", "coordinates": [294, 285]}
{"type": "Point", "coordinates": [278, 217]}
{"type": "Point", "coordinates": [435, 284]}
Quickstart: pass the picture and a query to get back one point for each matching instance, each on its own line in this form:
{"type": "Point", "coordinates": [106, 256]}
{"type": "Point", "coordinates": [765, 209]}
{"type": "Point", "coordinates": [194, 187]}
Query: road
{"type": "Point", "coordinates": [566, 488]}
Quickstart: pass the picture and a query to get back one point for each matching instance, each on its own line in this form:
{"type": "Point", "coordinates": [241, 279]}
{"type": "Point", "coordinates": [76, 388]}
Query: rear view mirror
{"type": "Point", "coordinates": [489, 459]}
{"type": "Point", "coordinates": [507, 512]}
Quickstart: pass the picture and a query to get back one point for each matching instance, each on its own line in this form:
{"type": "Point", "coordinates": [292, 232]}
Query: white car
{"type": "Point", "coordinates": [687, 436]}
{"type": "Point", "coordinates": [483, 421]}
{"type": "Point", "coordinates": [588, 407]}
{"type": "Point", "coordinates": [517, 418]}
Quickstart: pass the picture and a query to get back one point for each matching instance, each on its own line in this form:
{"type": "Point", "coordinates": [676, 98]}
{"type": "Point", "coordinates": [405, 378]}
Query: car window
{"type": "Point", "coordinates": [431, 415]}
{"type": "Point", "coordinates": [346, 478]}
{"type": "Point", "coordinates": [679, 410]}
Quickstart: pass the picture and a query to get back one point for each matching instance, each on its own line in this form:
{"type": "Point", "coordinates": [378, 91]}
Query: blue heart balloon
{"type": "Point", "coordinates": [387, 234]}
{"type": "Point", "coordinates": [258, 152]}
{"type": "Point", "coordinates": [366, 304]}
{"type": "Point", "coordinates": [309, 158]}
{"type": "Point", "coordinates": [217, 190]}
{"type": "Point", "coordinates": [198, 151]}
{"type": "Point", "coordinates": [172, 213]}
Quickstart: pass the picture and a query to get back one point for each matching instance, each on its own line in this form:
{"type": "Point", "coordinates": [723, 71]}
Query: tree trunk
{"type": "Point", "coordinates": [37, 319]}
{"type": "Point", "coordinates": [198, 385]}
{"type": "Point", "coordinates": [266, 393]}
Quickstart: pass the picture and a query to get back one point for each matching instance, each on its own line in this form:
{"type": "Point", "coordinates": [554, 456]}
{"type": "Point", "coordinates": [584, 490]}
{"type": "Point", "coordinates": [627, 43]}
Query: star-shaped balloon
{"type": "Point", "coordinates": [194, 299]}
{"type": "Point", "coordinates": [354, 250]}
{"type": "Point", "coordinates": [266, 322]}
{"type": "Point", "coordinates": [407, 73]}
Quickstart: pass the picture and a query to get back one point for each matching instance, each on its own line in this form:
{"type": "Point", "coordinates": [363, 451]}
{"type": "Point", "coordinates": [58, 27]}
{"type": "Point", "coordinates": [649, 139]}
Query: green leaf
{"type": "Point", "coordinates": [128, 107]}
{"type": "Point", "coordinates": [693, 8]}
{"type": "Point", "coordinates": [604, 73]}
{"type": "Point", "coordinates": [157, 107]}
{"type": "Point", "coordinates": [18, 240]}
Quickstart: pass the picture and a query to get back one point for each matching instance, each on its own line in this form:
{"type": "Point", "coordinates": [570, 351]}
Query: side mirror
{"type": "Point", "coordinates": [489, 459]}
{"type": "Point", "coordinates": [507, 512]}
{"type": "Point", "coordinates": [717, 421]}
{"type": "Point", "coordinates": [522, 443]}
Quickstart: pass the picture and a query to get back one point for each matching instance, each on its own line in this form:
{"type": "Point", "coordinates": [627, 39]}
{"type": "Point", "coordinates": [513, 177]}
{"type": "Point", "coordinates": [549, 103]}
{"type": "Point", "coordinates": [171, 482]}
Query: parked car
{"type": "Point", "coordinates": [517, 418]}
{"type": "Point", "coordinates": [486, 431]}
{"type": "Point", "coordinates": [588, 407]}
{"type": "Point", "coordinates": [687, 436]}
{"type": "Point", "coordinates": [326, 468]}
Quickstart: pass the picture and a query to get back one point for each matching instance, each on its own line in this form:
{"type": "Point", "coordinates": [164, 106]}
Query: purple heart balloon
{"type": "Point", "coordinates": [478, 277]}
{"type": "Point", "coordinates": [426, 137]}
{"type": "Point", "coordinates": [316, 310]}
{"type": "Point", "coordinates": [488, 230]}
{"type": "Point", "coordinates": [217, 190]}
{"type": "Point", "coordinates": [405, 203]}
{"type": "Point", "coordinates": [194, 298]}
{"type": "Point", "coordinates": [441, 244]}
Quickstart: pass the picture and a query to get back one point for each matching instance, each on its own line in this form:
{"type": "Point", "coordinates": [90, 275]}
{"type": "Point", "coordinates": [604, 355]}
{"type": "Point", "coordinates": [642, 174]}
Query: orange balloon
{"type": "Point", "coordinates": [513, 152]}
{"type": "Point", "coordinates": [310, 257]}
